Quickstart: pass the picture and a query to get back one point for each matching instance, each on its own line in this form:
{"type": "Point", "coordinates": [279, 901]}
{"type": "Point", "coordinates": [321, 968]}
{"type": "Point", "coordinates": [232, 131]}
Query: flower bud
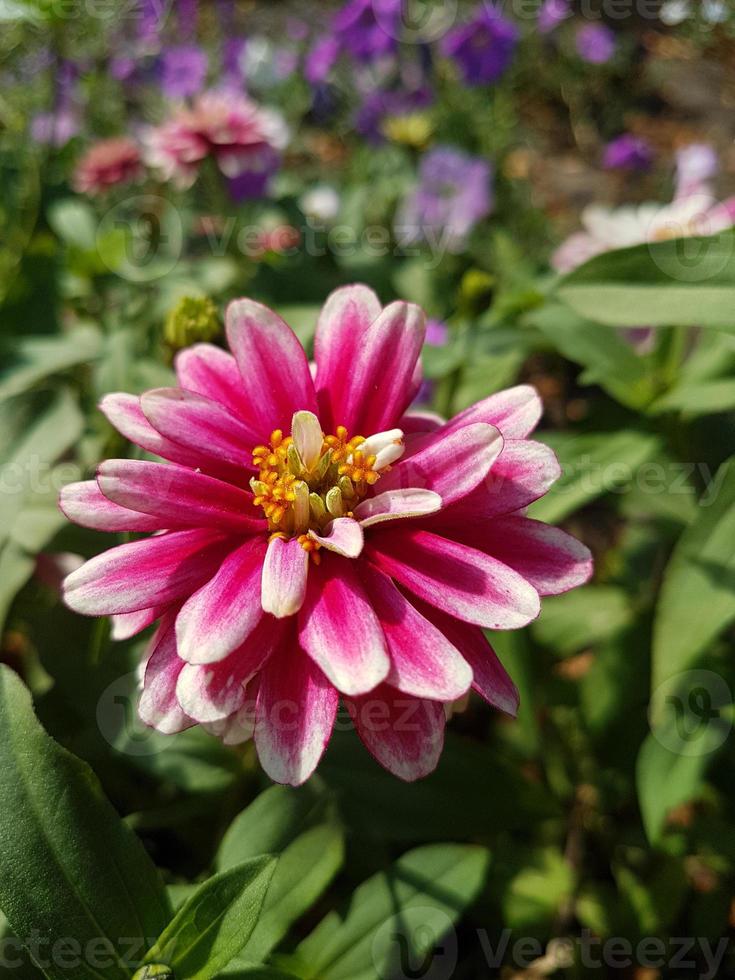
{"type": "Point", "coordinates": [154, 971]}
{"type": "Point", "coordinates": [191, 320]}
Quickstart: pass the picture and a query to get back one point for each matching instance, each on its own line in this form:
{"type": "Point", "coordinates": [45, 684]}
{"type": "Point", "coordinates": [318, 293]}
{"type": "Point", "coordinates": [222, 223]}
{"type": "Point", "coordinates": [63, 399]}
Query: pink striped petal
{"type": "Point", "coordinates": [126, 625]}
{"type": "Point", "coordinates": [522, 473]}
{"type": "Point", "coordinates": [423, 661]}
{"type": "Point", "coordinates": [451, 464]}
{"type": "Point", "coordinates": [158, 706]}
{"type": "Point", "coordinates": [463, 582]}
{"type": "Point", "coordinates": [395, 504]}
{"type": "Point", "coordinates": [404, 734]}
{"type": "Point", "coordinates": [199, 424]}
{"type": "Point", "coordinates": [221, 615]}
{"type": "Point", "coordinates": [169, 492]}
{"type": "Point", "coordinates": [273, 365]}
{"type": "Point", "coordinates": [339, 630]}
{"type": "Point", "coordinates": [145, 573]}
{"type": "Point", "coordinates": [285, 571]}
{"type": "Point", "coordinates": [378, 384]}
{"type": "Point", "coordinates": [515, 411]}
{"type": "Point", "coordinates": [547, 557]}
{"type": "Point", "coordinates": [344, 318]}
{"type": "Point", "coordinates": [240, 726]}
{"type": "Point", "coordinates": [295, 715]}
{"type": "Point", "coordinates": [416, 421]}
{"type": "Point", "coordinates": [126, 415]}
{"type": "Point", "coordinates": [215, 691]}
{"type": "Point", "coordinates": [343, 536]}
{"type": "Point", "coordinates": [210, 371]}
{"type": "Point", "coordinates": [85, 504]}
{"type": "Point", "coordinates": [489, 678]}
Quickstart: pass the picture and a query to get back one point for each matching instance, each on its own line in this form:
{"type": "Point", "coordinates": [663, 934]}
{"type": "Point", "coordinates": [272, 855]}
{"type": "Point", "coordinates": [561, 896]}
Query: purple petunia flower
{"type": "Point", "coordinates": [628, 152]}
{"type": "Point", "coordinates": [483, 49]}
{"type": "Point", "coordinates": [320, 60]}
{"type": "Point", "coordinates": [380, 105]}
{"type": "Point", "coordinates": [595, 43]}
{"type": "Point", "coordinates": [183, 71]}
{"type": "Point", "coordinates": [453, 194]}
{"type": "Point", "coordinates": [368, 29]}
{"type": "Point", "coordinates": [55, 128]}
{"type": "Point", "coordinates": [551, 14]}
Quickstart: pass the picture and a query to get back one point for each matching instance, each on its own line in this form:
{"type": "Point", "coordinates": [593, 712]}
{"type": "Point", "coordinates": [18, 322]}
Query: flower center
{"type": "Point", "coordinates": [309, 479]}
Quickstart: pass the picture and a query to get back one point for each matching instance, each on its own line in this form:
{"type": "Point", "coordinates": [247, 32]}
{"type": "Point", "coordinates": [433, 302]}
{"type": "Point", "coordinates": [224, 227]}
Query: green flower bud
{"type": "Point", "coordinates": [475, 291]}
{"type": "Point", "coordinates": [192, 320]}
{"type": "Point", "coordinates": [154, 971]}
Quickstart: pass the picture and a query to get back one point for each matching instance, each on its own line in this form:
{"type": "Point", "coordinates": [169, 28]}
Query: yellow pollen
{"type": "Point", "coordinates": [342, 471]}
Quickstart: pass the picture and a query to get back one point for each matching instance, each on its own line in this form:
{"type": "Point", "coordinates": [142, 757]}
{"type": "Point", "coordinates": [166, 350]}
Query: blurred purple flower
{"type": "Point", "coordinates": [183, 71]}
{"type": "Point", "coordinates": [253, 184]}
{"type": "Point", "coordinates": [380, 105]}
{"type": "Point", "coordinates": [320, 60]}
{"type": "Point", "coordinates": [122, 68]}
{"type": "Point", "coordinates": [628, 152]}
{"type": "Point", "coordinates": [483, 49]}
{"type": "Point", "coordinates": [696, 165]}
{"type": "Point", "coordinates": [452, 195]}
{"type": "Point", "coordinates": [368, 29]}
{"type": "Point", "coordinates": [55, 128]}
{"type": "Point", "coordinates": [437, 332]}
{"type": "Point", "coordinates": [595, 43]}
{"type": "Point", "coordinates": [232, 52]}
{"type": "Point", "coordinates": [551, 14]}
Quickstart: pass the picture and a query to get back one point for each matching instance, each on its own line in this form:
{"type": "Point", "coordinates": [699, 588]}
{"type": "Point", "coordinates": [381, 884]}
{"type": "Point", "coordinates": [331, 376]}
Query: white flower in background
{"type": "Point", "coordinates": [320, 203]}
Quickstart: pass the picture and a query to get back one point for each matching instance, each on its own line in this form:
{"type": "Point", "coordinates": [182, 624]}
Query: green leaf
{"type": "Point", "coordinates": [215, 923]}
{"type": "Point", "coordinates": [610, 361]}
{"type": "Point", "coordinates": [74, 222]}
{"type": "Point", "coordinates": [592, 465]}
{"type": "Point", "coordinates": [706, 398]}
{"type": "Point", "coordinates": [418, 898]}
{"type": "Point", "coordinates": [697, 598]}
{"type": "Point", "coordinates": [578, 619]}
{"type": "Point", "coordinates": [680, 282]}
{"type": "Point", "coordinates": [536, 892]}
{"type": "Point", "coordinates": [283, 821]}
{"type": "Point", "coordinates": [35, 358]}
{"type": "Point", "coordinates": [68, 865]}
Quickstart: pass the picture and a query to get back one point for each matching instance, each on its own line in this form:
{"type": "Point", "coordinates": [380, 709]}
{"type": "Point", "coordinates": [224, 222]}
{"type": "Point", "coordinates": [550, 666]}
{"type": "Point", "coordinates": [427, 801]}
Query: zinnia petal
{"type": "Point", "coordinates": [210, 371]}
{"type": "Point", "coordinates": [461, 581]}
{"type": "Point", "coordinates": [285, 571]}
{"type": "Point", "coordinates": [343, 537]}
{"type": "Point", "coordinates": [515, 411]}
{"type": "Point", "coordinates": [85, 504]}
{"type": "Point", "coordinates": [158, 706]}
{"type": "Point", "coordinates": [395, 504]}
{"type": "Point", "coordinates": [339, 630]}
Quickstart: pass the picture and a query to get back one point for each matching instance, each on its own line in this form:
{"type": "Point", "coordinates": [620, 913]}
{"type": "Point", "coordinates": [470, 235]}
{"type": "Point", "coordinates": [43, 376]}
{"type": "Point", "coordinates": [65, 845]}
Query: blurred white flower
{"type": "Point", "coordinates": [321, 203]}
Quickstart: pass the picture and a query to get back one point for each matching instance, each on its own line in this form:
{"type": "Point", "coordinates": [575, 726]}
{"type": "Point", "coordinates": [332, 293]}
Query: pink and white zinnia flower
{"type": "Point", "coordinates": [241, 137]}
{"type": "Point", "coordinates": [313, 538]}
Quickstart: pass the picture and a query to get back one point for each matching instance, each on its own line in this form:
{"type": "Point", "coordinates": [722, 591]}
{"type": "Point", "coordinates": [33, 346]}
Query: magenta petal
{"type": "Point", "coordinates": [404, 734]}
{"type": "Point", "coordinates": [515, 411]}
{"type": "Point", "coordinates": [461, 581]}
{"type": "Point", "coordinates": [239, 726]}
{"type": "Point", "coordinates": [423, 661]}
{"type": "Point", "coordinates": [547, 557]}
{"type": "Point", "coordinates": [171, 493]}
{"type": "Point", "coordinates": [85, 504]}
{"type": "Point", "coordinates": [295, 715]}
{"type": "Point", "coordinates": [221, 615]}
{"type": "Point", "coordinates": [344, 318]}
{"type": "Point", "coordinates": [339, 630]}
{"type": "Point", "coordinates": [145, 573]}
{"type": "Point", "coordinates": [378, 383]}
{"type": "Point", "coordinates": [158, 706]}
{"type": "Point", "coordinates": [343, 536]}
{"type": "Point", "coordinates": [210, 371]}
{"type": "Point", "coordinates": [125, 625]}
{"type": "Point", "coordinates": [451, 464]}
{"type": "Point", "coordinates": [416, 422]}
{"type": "Point", "coordinates": [285, 571]}
{"type": "Point", "coordinates": [397, 504]}
{"type": "Point", "coordinates": [125, 413]}
{"type": "Point", "coordinates": [489, 678]}
{"type": "Point", "coordinates": [199, 424]}
{"type": "Point", "coordinates": [273, 365]}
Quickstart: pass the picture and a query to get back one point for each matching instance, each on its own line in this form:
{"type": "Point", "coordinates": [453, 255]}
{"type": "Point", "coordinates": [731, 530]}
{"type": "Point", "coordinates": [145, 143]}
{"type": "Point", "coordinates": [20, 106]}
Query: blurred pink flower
{"type": "Point", "coordinates": [108, 164]}
{"type": "Point", "coordinates": [291, 561]}
{"type": "Point", "coordinates": [236, 132]}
